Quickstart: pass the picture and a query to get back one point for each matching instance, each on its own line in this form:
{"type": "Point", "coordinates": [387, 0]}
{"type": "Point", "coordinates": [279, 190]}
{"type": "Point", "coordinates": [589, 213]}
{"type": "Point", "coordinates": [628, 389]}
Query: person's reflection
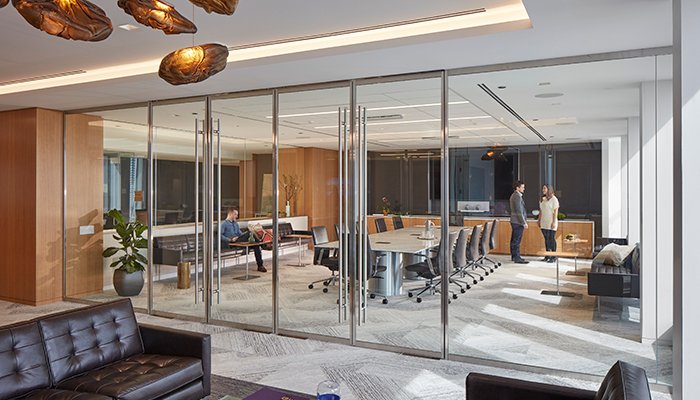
{"type": "Point", "coordinates": [231, 233]}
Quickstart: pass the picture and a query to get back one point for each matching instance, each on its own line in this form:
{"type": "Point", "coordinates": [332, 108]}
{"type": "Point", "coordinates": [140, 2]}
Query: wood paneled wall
{"type": "Point", "coordinates": [247, 188]}
{"type": "Point", "coordinates": [320, 194]}
{"type": "Point", "coordinates": [31, 159]}
{"type": "Point", "coordinates": [84, 204]}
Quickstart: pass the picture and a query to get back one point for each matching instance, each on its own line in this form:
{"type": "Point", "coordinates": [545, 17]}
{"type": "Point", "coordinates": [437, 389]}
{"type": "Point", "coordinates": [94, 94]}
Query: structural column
{"type": "Point", "coordinates": [686, 167]}
{"type": "Point", "coordinates": [612, 170]}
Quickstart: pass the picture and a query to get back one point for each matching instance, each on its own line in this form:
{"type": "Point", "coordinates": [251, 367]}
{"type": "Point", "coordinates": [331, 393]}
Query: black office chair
{"type": "Point", "coordinates": [323, 257]}
{"type": "Point", "coordinates": [484, 248]}
{"type": "Point", "coordinates": [375, 269]}
{"type": "Point", "coordinates": [461, 265]}
{"type": "Point", "coordinates": [492, 243]}
{"type": "Point", "coordinates": [430, 270]}
{"type": "Point", "coordinates": [380, 224]}
{"type": "Point", "coordinates": [398, 222]}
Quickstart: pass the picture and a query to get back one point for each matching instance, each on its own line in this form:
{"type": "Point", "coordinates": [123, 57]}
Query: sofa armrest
{"type": "Point", "coordinates": [489, 387]}
{"type": "Point", "coordinates": [175, 342]}
{"type": "Point", "coordinates": [301, 233]}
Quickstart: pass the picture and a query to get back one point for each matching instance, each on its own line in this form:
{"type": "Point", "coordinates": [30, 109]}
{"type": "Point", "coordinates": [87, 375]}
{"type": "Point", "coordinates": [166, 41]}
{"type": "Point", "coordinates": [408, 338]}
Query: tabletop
{"type": "Point", "coordinates": [404, 240]}
{"type": "Point", "coordinates": [557, 253]}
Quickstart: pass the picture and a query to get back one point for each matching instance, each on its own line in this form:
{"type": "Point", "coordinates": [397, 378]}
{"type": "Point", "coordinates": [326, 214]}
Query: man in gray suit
{"type": "Point", "coordinates": [518, 221]}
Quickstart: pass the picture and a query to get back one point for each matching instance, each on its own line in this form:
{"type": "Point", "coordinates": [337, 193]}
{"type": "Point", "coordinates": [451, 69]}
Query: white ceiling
{"type": "Point", "coordinates": [559, 28]}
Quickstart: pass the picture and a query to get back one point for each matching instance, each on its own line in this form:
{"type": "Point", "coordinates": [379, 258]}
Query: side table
{"type": "Point", "coordinates": [558, 254]}
{"type": "Point", "coordinates": [246, 246]}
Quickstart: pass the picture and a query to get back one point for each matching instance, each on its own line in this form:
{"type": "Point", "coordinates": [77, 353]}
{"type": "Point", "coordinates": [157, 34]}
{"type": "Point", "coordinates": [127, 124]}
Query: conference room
{"type": "Point", "coordinates": [387, 200]}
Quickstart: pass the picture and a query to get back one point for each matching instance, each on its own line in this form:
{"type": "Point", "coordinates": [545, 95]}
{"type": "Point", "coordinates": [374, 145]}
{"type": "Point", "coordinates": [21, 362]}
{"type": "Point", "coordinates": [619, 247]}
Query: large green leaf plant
{"type": "Point", "coordinates": [130, 241]}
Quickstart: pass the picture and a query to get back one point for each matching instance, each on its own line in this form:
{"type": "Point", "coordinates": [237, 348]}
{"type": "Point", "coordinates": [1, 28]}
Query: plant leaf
{"type": "Point", "coordinates": [110, 251]}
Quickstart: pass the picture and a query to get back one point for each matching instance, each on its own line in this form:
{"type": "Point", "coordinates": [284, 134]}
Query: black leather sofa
{"type": "Point", "coordinates": [100, 352]}
{"type": "Point", "coordinates": [284, 230]}
{"type": "Point", "coordinates": [623, 382]}
{"type": "Point", "coordinates": [616, 281]}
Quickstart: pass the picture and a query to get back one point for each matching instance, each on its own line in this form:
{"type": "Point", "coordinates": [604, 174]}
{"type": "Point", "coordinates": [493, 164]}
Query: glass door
{"type": "Point", "coordinates": [313, 138]}
{"type": "Point", "coordinates": [242, 273]}
{"type": "Point", "coordinates": [397, 151]}
{"type": "Point", "coordinates": [178, 273]}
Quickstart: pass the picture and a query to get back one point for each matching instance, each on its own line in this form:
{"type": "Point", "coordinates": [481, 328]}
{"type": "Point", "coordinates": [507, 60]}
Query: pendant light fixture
{"type": "Point", "coordinates": [3, 3]}
{"type": "Point", "coordinates": [158, 15]}
{"type": "Point", "coordinates": [193, 64]}
{"type": "Point", "coordinates": [226, 7]}
{"type": "Point", "coordinates": [69, 19]}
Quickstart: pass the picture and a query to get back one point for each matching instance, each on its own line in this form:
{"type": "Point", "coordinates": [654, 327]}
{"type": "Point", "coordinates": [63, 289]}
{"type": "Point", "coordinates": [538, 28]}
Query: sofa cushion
{"type": "Point", "coordinates": [613, 254]}
{"type": "Point", "coordinates": [624, 381]}
{"type": "Point", "coordinates": [82, 340]}
{"type": "Point", "coordinates": [57, 394]}
{"type": "Point", "coordinates": [23, 365]}
{"type": "Point", "coordinates": [141, 377]}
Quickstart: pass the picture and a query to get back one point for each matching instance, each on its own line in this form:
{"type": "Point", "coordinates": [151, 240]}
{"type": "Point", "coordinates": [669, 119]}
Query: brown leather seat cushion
{"type": "Point", "coordinates": [140, 377]}
{"type": "Point", "coordinates": [56, 394]}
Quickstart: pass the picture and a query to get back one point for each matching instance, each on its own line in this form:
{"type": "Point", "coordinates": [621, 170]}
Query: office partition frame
{"type": "Point", "coordinates": [444, 75]}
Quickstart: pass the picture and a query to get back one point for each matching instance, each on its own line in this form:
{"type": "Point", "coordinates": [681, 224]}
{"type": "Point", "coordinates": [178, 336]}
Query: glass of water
{"type": "Point", "coordinates": [328, 390]}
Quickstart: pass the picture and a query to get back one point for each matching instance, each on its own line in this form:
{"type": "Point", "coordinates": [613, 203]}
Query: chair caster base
{"type": "Point", "coordinates": [385, 301]}
{"type": "Point", "coordinates": [311, 286]}
{"type": "Point", "coordinates": [325, 290]}
{"type": "Point", "coordinates": [454, 296]}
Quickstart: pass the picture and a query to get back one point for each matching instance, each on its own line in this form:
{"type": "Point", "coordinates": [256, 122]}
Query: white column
{"type": "Point", "coordinates": [624, 188]}
{"type": "Point", "coordinates": [611, 153]}
{"type": "Point", "coordinates": [686, 111]}
{"type": "Point", "coordinates": [657, 211]}
{"type": "Point", "coordinates": [633, 179]}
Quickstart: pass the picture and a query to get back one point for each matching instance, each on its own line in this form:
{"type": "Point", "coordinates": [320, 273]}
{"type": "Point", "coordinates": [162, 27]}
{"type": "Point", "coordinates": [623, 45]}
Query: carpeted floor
{"type": "Point", "coordinates": [222, 386]}
{"type": "Point", "coordinates": [503, 318]}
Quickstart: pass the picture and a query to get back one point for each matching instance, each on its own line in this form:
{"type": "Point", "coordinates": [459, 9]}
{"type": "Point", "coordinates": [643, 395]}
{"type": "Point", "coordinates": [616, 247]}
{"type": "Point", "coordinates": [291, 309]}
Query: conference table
{"type": "Point", "coordinates": [402, 247]}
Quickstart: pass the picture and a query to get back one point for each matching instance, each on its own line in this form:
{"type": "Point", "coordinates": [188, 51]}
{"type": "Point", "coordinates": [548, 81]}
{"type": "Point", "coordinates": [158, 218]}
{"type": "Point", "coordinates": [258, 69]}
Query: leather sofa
{"type": "Point", "coordinates": [285, 229]}
{"type": "Point", "coordinates": [101, 352]}
{"type": "Point", "coordinates": [614, 280]}
{"type": "Point", "coordinates": [623, 382]}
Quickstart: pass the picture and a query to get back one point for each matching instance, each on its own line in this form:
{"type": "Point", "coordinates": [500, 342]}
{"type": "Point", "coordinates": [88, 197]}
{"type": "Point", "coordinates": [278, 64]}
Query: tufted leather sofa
{"type": "Point", "coordinates": [100, 352]}
{"type": "Point", "coordinates": [623, 382]}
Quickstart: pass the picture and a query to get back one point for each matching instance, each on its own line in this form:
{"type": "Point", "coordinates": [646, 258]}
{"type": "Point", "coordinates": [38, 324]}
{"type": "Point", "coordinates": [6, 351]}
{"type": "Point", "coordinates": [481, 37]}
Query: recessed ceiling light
{"type": "Point", "coordinates": [548, 95]}
{"type": "Point", "coordinates": [129, 27]}
{"type": "Point", "coordinates": [501, 87]}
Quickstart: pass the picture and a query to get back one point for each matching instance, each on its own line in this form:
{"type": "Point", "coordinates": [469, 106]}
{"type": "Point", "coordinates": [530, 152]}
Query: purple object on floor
{"type": "Point", "coordinates": [271, 394]}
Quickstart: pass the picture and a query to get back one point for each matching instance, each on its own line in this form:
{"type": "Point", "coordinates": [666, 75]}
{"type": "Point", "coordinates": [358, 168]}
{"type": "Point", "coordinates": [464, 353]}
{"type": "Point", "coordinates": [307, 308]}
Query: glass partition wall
{"type": "Point", "coordinates": [383, 208]}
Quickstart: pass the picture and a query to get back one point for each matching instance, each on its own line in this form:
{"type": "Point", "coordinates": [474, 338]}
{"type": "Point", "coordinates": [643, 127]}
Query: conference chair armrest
{"type": "Point", "coordinates": [490, 387]}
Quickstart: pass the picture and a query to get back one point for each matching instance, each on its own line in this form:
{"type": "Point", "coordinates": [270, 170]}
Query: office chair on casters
{"type": "Point", "coordinates": [492, 243]}
{"type": "Point", "coordinates": [380, 224]}
{"type": "Point", "coordinates": [375, 269]}
{"type": "Point", "coordinates": [471, 256]}
{"type": "Point", "coordinates": [430, 270]}
{"type": "Point", "coordinates": [460, 261]}
{"type": "Point", "coordinates": [398, 222]}
{"type": "Point", "coordinates": [484, 248]}
{"type": "Point", "coordinates": [323, 257]}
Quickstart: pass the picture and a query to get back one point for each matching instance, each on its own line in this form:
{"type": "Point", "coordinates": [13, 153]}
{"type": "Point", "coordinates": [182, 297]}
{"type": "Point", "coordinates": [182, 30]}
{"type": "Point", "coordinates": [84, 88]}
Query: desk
{"type": "Point", "coordinates": [403, 247]}
{"type": "Point", "coordinates": [246, 246]}
{"type": "Point", "coordinates": [299, 236]}
{"type": "Point", "coordinates": [558, 254]}
{"type": "Point", "coordinates": [575, 241]}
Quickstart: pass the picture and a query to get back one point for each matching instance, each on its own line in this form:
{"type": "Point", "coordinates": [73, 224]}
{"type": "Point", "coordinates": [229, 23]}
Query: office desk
{"type": "Point", "coordinates": [402, 247]}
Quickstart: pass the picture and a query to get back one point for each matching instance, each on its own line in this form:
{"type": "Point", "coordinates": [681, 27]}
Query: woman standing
{"type": "Point", "coordinates": [547, 220]}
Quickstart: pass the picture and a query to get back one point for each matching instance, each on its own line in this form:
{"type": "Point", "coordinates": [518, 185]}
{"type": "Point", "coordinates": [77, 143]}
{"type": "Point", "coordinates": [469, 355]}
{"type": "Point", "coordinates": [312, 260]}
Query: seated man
{"type": "Point", "coordinates": [231, 232]}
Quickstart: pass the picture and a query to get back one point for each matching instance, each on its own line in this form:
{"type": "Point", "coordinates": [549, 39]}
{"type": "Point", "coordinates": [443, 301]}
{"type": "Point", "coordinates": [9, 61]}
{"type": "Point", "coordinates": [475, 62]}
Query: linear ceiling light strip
{"type": "Point", "coordinates": [510, 110]}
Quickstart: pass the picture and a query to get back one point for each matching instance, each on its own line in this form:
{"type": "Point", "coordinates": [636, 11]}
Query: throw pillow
{"type": "Point", "coordinates": [613, 254]}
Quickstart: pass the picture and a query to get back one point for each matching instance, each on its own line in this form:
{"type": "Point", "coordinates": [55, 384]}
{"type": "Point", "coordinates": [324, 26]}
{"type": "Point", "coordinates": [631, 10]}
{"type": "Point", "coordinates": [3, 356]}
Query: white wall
{"type": "Point", "coordinates": [612, 193]}
{"type": "Point", "coordinates": [686, 346]}
{"type": "Point", "coordinates": [657, 210]}
{"type": "Point", "coordinates": [633, 175]}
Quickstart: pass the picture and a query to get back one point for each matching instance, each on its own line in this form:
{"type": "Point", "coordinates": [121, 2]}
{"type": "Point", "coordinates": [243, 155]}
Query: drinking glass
{"type": "Point", "coordinates": [328, 390]}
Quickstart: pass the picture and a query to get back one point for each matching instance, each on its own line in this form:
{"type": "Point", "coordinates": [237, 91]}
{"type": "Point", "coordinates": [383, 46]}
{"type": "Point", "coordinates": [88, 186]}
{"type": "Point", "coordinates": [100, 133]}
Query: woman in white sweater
{"type": "Point", "coordinates": [547, 220]}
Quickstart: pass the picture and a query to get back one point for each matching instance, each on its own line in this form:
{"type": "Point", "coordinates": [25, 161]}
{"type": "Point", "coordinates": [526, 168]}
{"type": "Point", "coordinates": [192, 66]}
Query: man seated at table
{"type": "Point", "coordinates": [231, 233]}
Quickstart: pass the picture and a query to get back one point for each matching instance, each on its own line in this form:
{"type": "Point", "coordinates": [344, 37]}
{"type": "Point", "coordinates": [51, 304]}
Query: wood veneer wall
{"type": "Point", "coordinates": [84, 204]}
{"type": "Point", "coordinates": [31, 160]}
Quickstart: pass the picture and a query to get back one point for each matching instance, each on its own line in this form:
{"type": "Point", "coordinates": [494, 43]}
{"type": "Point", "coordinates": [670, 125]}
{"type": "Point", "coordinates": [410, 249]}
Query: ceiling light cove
{"type": "Point", "coordinates": [507, 17]}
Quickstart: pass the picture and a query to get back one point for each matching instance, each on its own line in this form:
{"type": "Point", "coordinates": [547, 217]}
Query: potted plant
{"type": "Point", "coordinates": [128, 275]}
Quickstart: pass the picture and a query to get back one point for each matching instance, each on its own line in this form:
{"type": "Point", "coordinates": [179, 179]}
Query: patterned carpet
{"type": "Point", "coordinates": [502, 318]}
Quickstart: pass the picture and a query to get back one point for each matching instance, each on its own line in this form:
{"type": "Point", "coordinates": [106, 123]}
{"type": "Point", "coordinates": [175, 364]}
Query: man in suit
{"type": "Point", "coordinates": [518, 221]}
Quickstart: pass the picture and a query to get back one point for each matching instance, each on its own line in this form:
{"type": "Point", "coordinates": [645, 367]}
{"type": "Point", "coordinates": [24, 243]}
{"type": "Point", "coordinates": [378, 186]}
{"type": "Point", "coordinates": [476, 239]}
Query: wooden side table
{"type": "Point", "coordinates": [575, 242]}
{"type": "Point", "coordinates": [558, 254]}
{"type": "Point", "coordinates": [299, 237]}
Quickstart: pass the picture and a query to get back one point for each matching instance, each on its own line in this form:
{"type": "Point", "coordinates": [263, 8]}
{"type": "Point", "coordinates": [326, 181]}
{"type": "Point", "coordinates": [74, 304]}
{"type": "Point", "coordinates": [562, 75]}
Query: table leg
{"type": "Point", "coordinates": [558, 292]}
{"type": "Point", "coordinates": [247, 275]}
{"type": "Point", "coordinates": [575, 271]}
{"type": "Point", "coordinates": [298, 264]}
